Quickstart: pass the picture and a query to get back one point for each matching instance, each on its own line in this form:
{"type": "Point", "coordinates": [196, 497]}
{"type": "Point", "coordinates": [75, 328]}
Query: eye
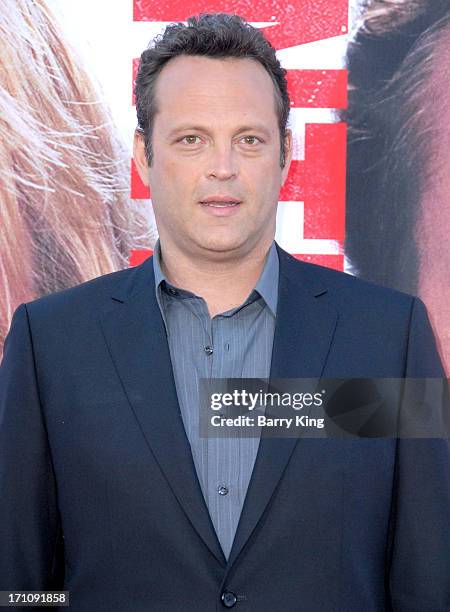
{"type": "Point", "coordinates": [250, 140]}
{"type": "Point", "coordinates": [190, 140]}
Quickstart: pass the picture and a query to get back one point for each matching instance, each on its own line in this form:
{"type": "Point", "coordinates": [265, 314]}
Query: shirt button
{"type": "Point", "coordinates": [173, 291]}
{"type": "Point", "coordinates": [223, 490]}
{"type": "Point", "coordinates": [229, 599]}
{"type": "Point", "coordinates": [209, 350]}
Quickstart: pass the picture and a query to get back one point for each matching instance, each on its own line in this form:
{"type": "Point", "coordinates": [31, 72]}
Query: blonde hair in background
{"type": "Point", "coordinates": [65, 213]}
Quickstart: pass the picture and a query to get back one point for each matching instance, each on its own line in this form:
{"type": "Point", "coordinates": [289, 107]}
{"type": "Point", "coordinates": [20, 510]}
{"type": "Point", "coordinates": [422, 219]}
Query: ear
{"type": "Point", "coordinates": [140, 157]}
{"type": "Point", "coordinates": [287, 155]}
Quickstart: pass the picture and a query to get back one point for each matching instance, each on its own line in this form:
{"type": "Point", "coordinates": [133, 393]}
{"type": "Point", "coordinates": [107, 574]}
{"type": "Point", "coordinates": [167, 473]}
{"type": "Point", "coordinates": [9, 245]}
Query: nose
{"type": "Point", "coordinates": [221, 163]}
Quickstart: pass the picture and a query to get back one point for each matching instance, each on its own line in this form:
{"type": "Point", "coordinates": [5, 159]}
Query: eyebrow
{"type": "Point", "coordinates": [199, 128]}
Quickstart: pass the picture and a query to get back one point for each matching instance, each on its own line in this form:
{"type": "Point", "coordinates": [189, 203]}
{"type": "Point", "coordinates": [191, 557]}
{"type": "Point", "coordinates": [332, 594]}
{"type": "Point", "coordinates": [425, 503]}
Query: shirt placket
{"type": "Point", "coordinates": [223, 453]}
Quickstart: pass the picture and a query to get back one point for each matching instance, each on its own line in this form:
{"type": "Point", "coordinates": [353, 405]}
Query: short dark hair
{"type": "Point", "coordinates": [390, 119]}
{"type": "Point", "coordinates": [215, 35]}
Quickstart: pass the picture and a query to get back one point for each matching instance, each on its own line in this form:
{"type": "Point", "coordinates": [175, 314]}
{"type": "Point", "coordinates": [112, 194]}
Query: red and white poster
{"type": "Point", "coordinates": [369, 182]}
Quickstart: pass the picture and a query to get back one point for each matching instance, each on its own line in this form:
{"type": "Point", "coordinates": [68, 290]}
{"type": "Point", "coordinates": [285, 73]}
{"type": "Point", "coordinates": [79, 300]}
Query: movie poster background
{"type": "Point", "coordinates": [71, 204]}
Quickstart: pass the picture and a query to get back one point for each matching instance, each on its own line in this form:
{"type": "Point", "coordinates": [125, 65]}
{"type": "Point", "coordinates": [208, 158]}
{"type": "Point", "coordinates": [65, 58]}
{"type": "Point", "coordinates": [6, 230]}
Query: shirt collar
{"type": "Point", "coordinates": [159, 274]}
{"type": "Point", "coordinates": [267, 285]}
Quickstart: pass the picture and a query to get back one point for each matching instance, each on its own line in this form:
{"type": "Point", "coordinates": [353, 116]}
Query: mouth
{"type": "Point", "coordinates": [220, 204]}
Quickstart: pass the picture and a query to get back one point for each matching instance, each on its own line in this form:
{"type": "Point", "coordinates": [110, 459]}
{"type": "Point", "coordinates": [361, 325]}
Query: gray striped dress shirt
{"type": "Point", "coordinates": [234, 344]}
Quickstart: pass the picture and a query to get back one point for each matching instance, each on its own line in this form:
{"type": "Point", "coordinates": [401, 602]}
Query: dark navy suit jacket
{"type": "Point", "coordinates": [99, 493]}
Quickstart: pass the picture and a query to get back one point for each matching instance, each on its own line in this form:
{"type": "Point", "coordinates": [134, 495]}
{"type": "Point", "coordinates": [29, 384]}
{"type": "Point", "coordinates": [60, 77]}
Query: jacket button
{"type": "Point", "coordinates": [228, 599]}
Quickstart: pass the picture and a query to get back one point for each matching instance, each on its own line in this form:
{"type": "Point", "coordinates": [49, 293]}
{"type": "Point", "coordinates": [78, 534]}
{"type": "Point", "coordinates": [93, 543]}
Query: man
{"type": "Point", "coordinates": [398, 214]}
{"type": "Point", "coordinates": [104, 476]}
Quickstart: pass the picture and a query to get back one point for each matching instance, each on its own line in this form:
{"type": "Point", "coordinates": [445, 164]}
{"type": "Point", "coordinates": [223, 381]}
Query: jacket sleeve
{"type": "Point", "coordinates": [422, 359]}
{"type": "Point", "coordinates": [30, 531]}
{"type": "Point", "coordinates": [420, 555]}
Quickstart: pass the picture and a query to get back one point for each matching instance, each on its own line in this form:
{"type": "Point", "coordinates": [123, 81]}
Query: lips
{"type": "Point", "coordinates": [220, 204]}
{"type": "Point", "coordinates": [220, 201]}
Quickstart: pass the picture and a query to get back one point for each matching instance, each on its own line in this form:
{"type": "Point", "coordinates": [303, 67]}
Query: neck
{"type": "Point", "coordinates": [223, 283]}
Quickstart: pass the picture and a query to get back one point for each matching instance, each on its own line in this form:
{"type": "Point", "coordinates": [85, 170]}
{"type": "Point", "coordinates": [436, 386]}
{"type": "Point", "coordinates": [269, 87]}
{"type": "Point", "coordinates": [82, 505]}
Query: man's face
{"type": "Point", "coordinates": [216, 175]}
{"type": "Point", "coordinates": [432, 232]}
{"type": "Point", "coordinates": [433, 219]}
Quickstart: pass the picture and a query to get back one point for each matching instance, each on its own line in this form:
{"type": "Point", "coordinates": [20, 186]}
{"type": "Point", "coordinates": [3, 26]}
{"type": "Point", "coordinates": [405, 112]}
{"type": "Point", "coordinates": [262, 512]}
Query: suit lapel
{"type": "Point", "coordinates": [135, 334]}
{"type": "Point", "coordinates": [303, 334]}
